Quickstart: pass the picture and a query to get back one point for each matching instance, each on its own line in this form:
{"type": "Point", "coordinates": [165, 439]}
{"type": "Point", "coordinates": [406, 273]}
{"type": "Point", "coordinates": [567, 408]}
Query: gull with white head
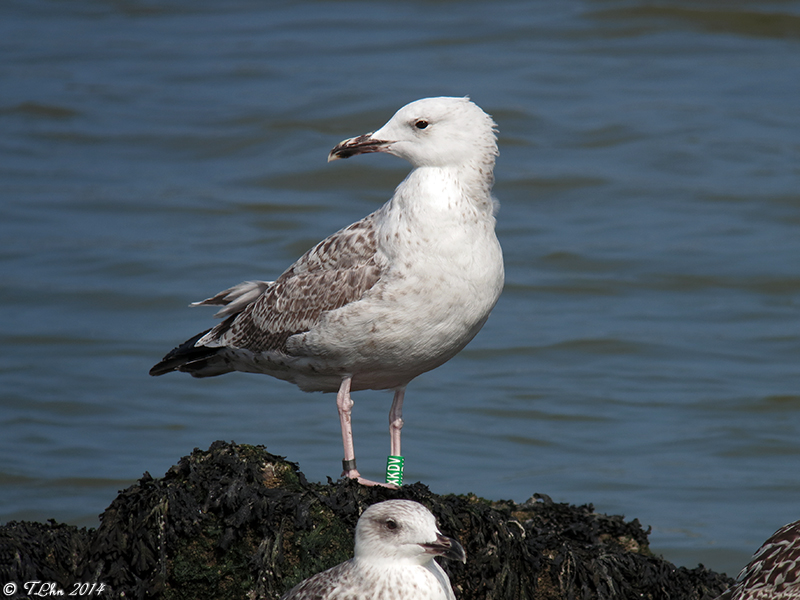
{"type": "Point", "coordinates": [386, 299]}
{"type": "Point", "coordinates": [395, 544]}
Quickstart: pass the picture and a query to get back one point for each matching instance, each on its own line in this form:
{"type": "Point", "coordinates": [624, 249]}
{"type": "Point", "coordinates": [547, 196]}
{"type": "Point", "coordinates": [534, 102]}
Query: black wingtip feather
{"type": "Point", "coordinates": [183, 356]}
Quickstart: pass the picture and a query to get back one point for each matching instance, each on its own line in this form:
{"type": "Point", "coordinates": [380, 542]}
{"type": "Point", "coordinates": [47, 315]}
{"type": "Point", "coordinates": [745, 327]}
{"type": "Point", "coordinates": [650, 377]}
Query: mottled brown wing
{"type": "Point", "coordinates": [774, 571]}
{"type": "Point", "coordinates": [337, 271]}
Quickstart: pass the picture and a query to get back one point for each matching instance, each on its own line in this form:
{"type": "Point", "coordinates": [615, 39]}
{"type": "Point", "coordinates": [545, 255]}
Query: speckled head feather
{"type": "Point", "coordinates": [402, 530]}
{"type": "Point", "coordinates": [395, 544]}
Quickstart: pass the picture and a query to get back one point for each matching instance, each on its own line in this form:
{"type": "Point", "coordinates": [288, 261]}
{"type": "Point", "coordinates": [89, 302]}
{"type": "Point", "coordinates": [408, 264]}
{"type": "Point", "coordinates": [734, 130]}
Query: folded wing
{"type": "Point", "coordinates": [261, 316]}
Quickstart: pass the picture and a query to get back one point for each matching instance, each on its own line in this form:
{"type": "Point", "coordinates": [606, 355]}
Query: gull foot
{"type": "Point", "coordinates": [353, 474]}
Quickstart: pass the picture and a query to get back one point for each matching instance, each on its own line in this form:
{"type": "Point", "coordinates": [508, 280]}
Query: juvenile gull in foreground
{"type": "Point", "coordinates": [774, 571]}
{"type": "Point", "coordinates": [395, 544]}
{"type": "Point", "coordinates": [387, 298]}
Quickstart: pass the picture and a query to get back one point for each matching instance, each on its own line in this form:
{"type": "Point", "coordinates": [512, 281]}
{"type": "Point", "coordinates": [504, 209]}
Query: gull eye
{"type": "Point", "coordinates": [421, 124]}
{"type": "Point", "coordinates": [391, 524]}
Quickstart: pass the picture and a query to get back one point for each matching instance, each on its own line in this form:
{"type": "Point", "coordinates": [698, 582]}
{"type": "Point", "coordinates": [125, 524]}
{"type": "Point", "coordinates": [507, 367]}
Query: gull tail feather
{"type": "Point", "coordinates": [199, 361]}
{"type": "Point", "coordinates": [236, 298]}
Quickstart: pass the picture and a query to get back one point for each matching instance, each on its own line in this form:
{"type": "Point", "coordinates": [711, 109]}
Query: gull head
{"type": "Point", "coordinates": [402, 531]}
{"type": "Point", "coordinates": [433, 132]}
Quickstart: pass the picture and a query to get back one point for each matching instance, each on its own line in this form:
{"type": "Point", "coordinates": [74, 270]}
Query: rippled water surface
{"type": "Point", "coordinates": [645, 354]}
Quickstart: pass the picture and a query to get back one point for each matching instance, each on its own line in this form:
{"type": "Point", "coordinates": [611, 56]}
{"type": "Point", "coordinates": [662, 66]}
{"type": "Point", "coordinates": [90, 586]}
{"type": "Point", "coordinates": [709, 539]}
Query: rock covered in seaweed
{"type": "Point", "coordinates": [238, 522]}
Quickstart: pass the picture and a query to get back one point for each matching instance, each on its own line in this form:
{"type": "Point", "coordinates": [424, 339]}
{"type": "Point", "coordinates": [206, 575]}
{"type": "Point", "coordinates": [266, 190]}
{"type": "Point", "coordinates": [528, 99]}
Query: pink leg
{"type": "Point", "coordinates": [345, 405]}
{"type": "Point", "coordinates": [396, 420]}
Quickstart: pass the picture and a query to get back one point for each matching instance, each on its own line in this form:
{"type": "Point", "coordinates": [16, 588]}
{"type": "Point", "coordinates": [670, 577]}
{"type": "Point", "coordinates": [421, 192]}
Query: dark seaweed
{"type": "Point", "coordinates": [238, 522]}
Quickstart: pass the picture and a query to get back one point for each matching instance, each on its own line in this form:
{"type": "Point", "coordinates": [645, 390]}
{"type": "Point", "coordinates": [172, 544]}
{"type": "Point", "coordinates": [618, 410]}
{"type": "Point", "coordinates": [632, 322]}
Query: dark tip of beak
{"type": "Point", "coordinates": [447, 547]}
{"type": "Point", "coordinates": [357, 145]}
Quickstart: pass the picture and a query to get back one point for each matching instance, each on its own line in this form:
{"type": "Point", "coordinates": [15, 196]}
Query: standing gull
{"type": "Point", "coordinates": [393, 295]}
{"type": "Point", "coordinates": [395, 544]}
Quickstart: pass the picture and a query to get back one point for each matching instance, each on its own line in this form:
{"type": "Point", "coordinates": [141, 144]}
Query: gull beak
{"type": "Point", "coordinates": [358, 145]}
{"type": "Point", "coordinates": [447, 547]}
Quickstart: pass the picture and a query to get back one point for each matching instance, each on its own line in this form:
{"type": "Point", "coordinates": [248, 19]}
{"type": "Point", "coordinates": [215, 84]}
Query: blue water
{"type": "Point", "coordinates": [645, 354]}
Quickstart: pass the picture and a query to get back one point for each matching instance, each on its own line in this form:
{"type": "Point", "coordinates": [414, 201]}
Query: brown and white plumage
{"type": "Point", "coordinates": [774, 571]}
{"type": "Point", "coordinates": [395, 544]}
{"type": "Point", "coordinates": [261, 316]}
{"type": "Point", "coordinates": [387, 298]}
